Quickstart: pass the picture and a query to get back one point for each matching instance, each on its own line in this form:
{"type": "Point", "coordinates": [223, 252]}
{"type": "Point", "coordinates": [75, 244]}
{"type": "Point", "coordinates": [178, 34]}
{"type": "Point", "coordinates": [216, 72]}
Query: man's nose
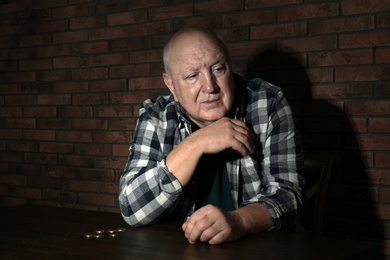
{"type": "Point", "coordinates": [209, 84]}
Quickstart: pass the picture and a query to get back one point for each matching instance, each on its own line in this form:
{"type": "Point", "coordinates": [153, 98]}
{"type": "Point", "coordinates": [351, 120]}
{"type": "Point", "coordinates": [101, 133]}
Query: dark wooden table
{"type": "Point", "coordinates": [36, 232]}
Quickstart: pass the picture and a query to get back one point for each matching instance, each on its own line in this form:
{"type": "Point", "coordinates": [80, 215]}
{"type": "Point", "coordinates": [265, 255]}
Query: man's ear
{"type": "Point", "coordinates": [168, 82]}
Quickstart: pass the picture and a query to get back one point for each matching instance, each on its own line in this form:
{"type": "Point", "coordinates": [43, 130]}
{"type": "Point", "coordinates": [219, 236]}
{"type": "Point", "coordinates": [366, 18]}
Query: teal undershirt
{"type": "Point", "coordinates": [214, 185]}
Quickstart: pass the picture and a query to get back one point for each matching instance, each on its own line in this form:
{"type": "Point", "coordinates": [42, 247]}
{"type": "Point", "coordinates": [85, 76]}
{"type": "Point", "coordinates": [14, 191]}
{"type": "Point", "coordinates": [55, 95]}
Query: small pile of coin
{"type": "Point", "coordinates": [102, 232]}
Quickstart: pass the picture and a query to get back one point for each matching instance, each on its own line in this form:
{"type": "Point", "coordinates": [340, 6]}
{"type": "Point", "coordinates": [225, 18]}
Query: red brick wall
{"type": "Point", "coordinates": [73, 74]}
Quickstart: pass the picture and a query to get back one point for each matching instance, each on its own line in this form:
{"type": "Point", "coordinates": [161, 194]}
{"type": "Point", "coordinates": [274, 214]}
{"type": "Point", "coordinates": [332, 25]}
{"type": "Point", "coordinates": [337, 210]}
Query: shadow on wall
{"type": "Point", "coordinates": [325, 129]}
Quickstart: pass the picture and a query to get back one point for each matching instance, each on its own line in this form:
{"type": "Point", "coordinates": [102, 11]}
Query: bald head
{"type": "Point", "coordinates": [186, 36]}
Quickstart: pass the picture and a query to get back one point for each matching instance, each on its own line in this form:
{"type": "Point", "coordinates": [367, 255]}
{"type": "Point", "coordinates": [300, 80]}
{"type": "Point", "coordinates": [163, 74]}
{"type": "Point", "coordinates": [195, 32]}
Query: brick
{"type": "Point", "coordinates": [93, 149]}
{"type": "Point", "coordinates": [28, 76]}
{"type": "Point", "coordinates": [373, 142]}
{"type": "Point", "coordinates": [382, 90]}
{"type": "Point", "coordinates": [370, 39]}
{"type": "Point", "coordinates": [120, 150]}
{"type": "Point", "coordinates": [341, 25]}
{"type": "Point", "coordinates": [52, 26]}
{"type": "Point", "coordinates": [70, 87]}
{"type": "Point", "coordinates": [37, 64]}
{"type": "Point", "coordinates": [171, 11]}
{"type": "Point", "coordinates": [45, 4]}
{"type": "Point", "coordinates": [307, 11]}
{"type": "Point", "coordinates": [108, 33]}
{"type": "Point", "coordinates": [108, 59]}
{"type": "Point", "coordinates": [383, 212]}
{"type": "Point", "coordinates": [368, 108]}
{"type": "Point", "coordinates": [111, 163]}
{"type": "Point", "coordinates": [278, 31]}
{"type": "Point", "coordinates": [361, 6]}
{"type": "Point", "coordinates": [54, 99]}
{"type": "Point", "coordinates": [53, 123]}
{"type": "Point", "coordinates": [11, 112]}
{"type": "Point", "coordinates": [80, 185]}
{"type": "Point", "coordinates": [96, 124]}
{"type": "Point", "coordinates": [70, 11]}
{"type": "Point", "coordinates": [26, 192]}
{"type": "Point", "coordinates": [145, 56]}
{"type": "Point", "coordinates": [265, 3]}
{"type": "Point", "coordinates": [107, 6]}
{"type": "Point", "coordinates": [17, 54]}
{"type": "Point", "coordinates": [111, 137]}
{"type": "Point", "coordinates": [44, 182]}
{"type": "Point", "coordinates": [383, 55]}
{"type": "Point", "coordinates": [218, 6]}
{"type": "Point", "coordinates": [21, 100]}
{"type": "Point", "coordinates": [114, 111]}
{"type": "Point", "coordinates": [90, 47]}
{"type": "Point", "coordinates": [334, 125]}
{"type": "Point", "coordinates": [90, 73]}
{"type": "Point", "coordinates": [145, 3]}
{"type": "Point", "coordinates": [13, 179]}
{"type": "Point", "coordinates": [131, 98]}
{"type": "Point", "coordinates": [383, 21]}
{"type": "Point", "coordinates": [35, 40]}
{"type": "Point", "coordinates": [249, 18]}
{"type": "Point", "coordinates": [26, 169]}
{"type": "Point", "coordinates": [97, 199]}
{"type": "Point", "coordinates": [379, 125]}
{"type": "Point", "coordinates": [382, 160]}
{"type": "Point", "coordinates": [129, 71]}
{"type": "Point", "coordinates": [96, 174]}
{"type": "Point", "coordinates": [54, 75]}
{"type": "Point", "coordinates": [150, 28]}
{"type": "Point", "coordinates": [59, 171]}
{"type": "Point", "coordinates": [250, 48]}
{"type": "Point", "coordinates": [108, 188]}
{"type": "Point", "coordinates": [340, 58]}
{"type": "Point", "coordinates": [23, 146]}
{"type": "Point", "coordinates": [40, 111]}
{"type": "Point", "coordinates": [76, 160]}
{"type": "Point", "coordinates": [69, 37]}
{"type": "Point", "coordinates": [41, 159]}
{"type": "Point", "coordinates": [59, 196]}
{"type": "Point", "coordinates": [146, 83]}
{"type": "Point", "coordinates": [297, 76]}
{"type": "Point", "coordinates": [70, 62]}
{"type": "Point", "coordinates": [74, 136]}
{"type": "Point", "coordinates": [87, 99]}
{"type": "Point", "coordinates": [127, 18]}
{"type": "Point", "coordinates": [203, 21]}
{"type": "Point", "coordinates": [107, 85]}
{"type": "Point", "coordinates": [47, 135]}
{"type": "Point", "coordinates": [308, 44]}
{"type": "Point", "coordinates": [75, 111]}
{"type": "Point", "coordinates": [342, 91]}
{"type": "Point", "coordinates": [128, 44]}
{"type": "Point", "coordinates": [53, 51]}
{"type": "Point", "coordinates": [36, 87]}
{"type": "Point", "coordinates": [21, 123]}
{"type": "Point", "coordinates": [121, 124]}
{"type": "Point", "coordinates": [87, 22]}
{"type": "Point", "coordinates": [367, 73]}
{"type": "Point", "coordinates": [55, 147]}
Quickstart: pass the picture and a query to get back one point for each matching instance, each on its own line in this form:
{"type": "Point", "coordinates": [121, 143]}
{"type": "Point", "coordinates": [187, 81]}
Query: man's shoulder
{"type": "Point", "coordinates": [260, 85]}
{"type": "Point", "coordinates": [162, 105]}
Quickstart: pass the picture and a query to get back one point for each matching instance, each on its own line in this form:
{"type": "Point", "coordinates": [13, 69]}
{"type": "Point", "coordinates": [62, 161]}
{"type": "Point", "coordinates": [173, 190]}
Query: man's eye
{"type": "Point", "coordinates": [192, 77]}
{"type": "Point", "coordinates": [219, 70]}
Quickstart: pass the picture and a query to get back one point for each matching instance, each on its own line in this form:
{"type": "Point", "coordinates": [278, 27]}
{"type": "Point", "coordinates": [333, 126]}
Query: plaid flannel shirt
{"type": "Point", "coordinates": [149, 192]}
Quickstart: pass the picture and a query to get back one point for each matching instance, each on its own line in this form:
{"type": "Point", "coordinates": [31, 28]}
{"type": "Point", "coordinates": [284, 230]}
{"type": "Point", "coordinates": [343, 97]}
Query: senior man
{"type": "Point", "coordinates": [219, 152]}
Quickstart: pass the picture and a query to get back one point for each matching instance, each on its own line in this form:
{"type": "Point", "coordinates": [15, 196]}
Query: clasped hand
{"type": "Point", "coordinates": [225, 133]}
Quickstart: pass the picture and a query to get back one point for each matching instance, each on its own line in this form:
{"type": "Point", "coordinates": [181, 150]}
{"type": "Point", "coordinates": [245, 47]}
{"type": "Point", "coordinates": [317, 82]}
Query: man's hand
{"type": "Point", "coordinates": [225, 133]}
{"type": "Point", "coordinates": [211, 224]}
{"type": "Point", "coordinates": [215, 226]}
{"type": "Point", "coordinates": [214, 138]}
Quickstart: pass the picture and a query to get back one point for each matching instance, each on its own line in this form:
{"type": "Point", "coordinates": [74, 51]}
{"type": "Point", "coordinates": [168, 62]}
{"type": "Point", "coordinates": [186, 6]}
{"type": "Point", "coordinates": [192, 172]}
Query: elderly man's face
{"type": "Point", "coordinates": [200, 78]}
